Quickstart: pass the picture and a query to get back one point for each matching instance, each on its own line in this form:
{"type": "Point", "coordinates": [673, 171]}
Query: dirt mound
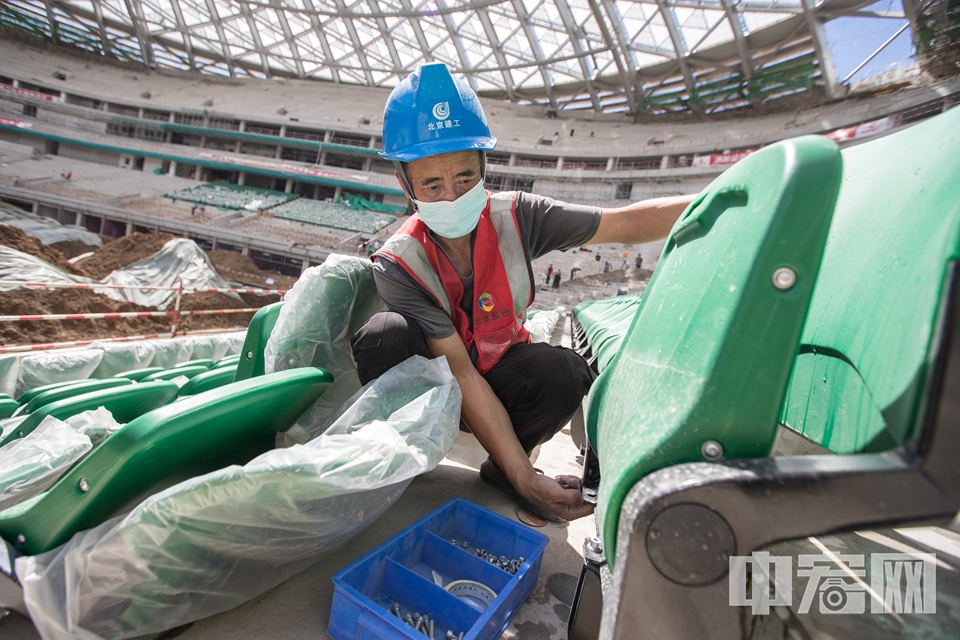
{"type": "Point", "coordinates": [72, 248]}
{"type": "Point", "coordinates": [233, 265]}
{"type": "Point", "coordinates": [33, 302]}
{"type": "Point", "coordinates": [17, 239]}
{"type": "Point", "coordinates": [121, 252]}
{"type": "Point", "coordinates": [211, 300]}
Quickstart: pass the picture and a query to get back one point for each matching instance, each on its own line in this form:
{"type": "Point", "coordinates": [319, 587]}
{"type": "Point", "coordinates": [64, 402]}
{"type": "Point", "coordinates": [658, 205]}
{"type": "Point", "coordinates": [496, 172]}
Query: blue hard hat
{"type": "Point", "coordinates": [430, 112]}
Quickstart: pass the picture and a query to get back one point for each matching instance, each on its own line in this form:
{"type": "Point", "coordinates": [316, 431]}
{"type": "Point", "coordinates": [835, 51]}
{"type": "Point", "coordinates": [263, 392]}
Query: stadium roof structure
{"type": "Point", "coordinates": [629, 56]}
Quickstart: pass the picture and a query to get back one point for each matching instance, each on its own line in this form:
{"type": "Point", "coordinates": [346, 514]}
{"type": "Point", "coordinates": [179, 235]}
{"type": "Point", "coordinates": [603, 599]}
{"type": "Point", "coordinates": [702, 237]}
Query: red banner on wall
{"type": "Point", "coordinates": [14, 123]}
{"type": "Point", "coordinates": [721, 159]}
{"type": "Point", "coordinates": [36, 95]}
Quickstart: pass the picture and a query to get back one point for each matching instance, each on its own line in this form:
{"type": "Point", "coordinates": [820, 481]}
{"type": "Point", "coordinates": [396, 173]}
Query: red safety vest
{"type": "Point", "coordinates": [502, 283]}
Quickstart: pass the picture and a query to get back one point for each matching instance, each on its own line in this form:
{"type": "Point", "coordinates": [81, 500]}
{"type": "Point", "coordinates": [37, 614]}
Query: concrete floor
{"type": "Point", "coordinates": [299, 608]}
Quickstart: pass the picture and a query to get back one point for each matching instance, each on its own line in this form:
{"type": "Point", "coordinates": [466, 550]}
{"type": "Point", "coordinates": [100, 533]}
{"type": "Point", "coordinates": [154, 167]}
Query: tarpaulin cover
{"type": "Point", "coordinates": [213, 542]}
{"type": "Point", "coordinates": [32, 464]}
{"type": "Point", "coordinates": [317, 321]}
{"type": "Point", "coordinates": [541, 323]}
{"type": "Point", "coordinates": [179, 260]}
{"type": "Point", "coordinates": [19, 266]}
{"type": "Point", "coordinates": [606, 322]}
{"type": "Point", "coordinates": [47, 230]}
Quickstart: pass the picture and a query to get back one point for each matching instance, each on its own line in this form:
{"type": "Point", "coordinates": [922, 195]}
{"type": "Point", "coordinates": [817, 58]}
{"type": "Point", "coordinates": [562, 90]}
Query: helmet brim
{"type": "Point", "coordinates": [437, 147]}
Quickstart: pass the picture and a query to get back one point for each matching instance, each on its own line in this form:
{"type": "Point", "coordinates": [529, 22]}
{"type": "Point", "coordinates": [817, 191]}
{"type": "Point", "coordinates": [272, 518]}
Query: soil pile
{"type": "Point", "coordinates": [17, 239]}
{"type": "Point", "coordinates": [72, 248]}
{"type": "Point", "coordinates": [235, 266]}
{"type": "Point", "coordinates": [122, 252]}
{"type": "Point", "coordinates": [211, 300]}
{"type": "Point", "coordinates": [34, 302]}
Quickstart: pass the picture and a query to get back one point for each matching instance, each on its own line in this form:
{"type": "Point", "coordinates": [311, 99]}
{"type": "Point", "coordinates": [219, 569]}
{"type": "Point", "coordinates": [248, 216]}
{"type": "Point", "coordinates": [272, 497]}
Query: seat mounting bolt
{"type": "Point", "coordinates": [711, 450]}
{"type": "Point", "coordinates": [84, 485]}
{"type": "Point", "coordinates": [784, 278]}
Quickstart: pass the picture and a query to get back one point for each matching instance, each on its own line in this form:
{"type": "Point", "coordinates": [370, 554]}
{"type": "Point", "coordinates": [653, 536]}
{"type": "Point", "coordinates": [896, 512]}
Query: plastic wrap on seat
{"type": "Point", "coordinates": [318, 319]}
{"type": "Point", "coordinates": [122, 356]}
{"type": "Point", "coordinates": [215, 541]}
{"type": "Point", "coordinates": [179, 259]}
{"type": "Point", "coordinates": [31, 465]}
{"type": "Point", "coordinates": [541, 323]}
{"type": "Point", "coordinates": [37, 370]}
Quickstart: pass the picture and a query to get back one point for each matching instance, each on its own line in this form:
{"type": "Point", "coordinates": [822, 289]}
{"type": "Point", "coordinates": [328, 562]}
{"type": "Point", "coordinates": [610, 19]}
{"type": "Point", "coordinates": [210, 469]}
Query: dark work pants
{"type": "Point", "coordinates": [540, 386]}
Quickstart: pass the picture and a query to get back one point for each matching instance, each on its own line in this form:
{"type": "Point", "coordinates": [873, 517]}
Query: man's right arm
{"type": "Point", "coordinates": [489, 422]}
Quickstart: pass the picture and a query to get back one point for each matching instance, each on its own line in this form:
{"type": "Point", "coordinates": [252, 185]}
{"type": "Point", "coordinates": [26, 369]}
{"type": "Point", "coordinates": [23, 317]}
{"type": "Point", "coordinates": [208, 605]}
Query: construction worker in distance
{"type": "Point", "coordinates": [457, 279]}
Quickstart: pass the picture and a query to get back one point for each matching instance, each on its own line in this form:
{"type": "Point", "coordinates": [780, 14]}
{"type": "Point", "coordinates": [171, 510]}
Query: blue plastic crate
{"type": "Point", "coordinates": [401, 571]}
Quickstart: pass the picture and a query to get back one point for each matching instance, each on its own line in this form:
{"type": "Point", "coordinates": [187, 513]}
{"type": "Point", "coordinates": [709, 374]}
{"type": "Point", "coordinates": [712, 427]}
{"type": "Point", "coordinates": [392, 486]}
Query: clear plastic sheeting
{"type": "Point", "coordinates": [40, 369]}
{"type": "Point", "coordinates": [179, 260]}
{"type": "Point", "coordinates": [19, 266]}
{"type": "Point", "coordinates": [47, 230]}
{"type": "Point", "coordinates": [102, 359]}
{"type": "Point", "coordinates": [31, 465]}
{"type": "Point", "coordinates": [122, 356]}
{"type": "Point", "coordinates": [317, 321]}
{"type": "Point", "coordinates": [221, 539]}
{"type": "Point", "coordinates": [541, 324]}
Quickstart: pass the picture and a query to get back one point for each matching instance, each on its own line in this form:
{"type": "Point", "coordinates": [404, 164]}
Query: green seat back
{"type": "Point", "coordinates": [7, 406]}
{"type": "Point", "coordinates": [606, 323]}
{"type": "Point", "coordinates": [866, 347]}
{"type": "Point", "coordinates": [258, 332]}
{"type": "Point", "coordinates": [709, 352]}
{"type": "Point", "coordinates": [170, 374]}
{"type": "Point", "coordinates": [124, 403]}
{"type": "Point", "coordinates": [201, 362]}
{"type": "Point", "coordinates": [138, 374]}
{"type": "Point", "coordinates": [207, 380]}
{"type": "Point", "coordinates": [30, 394]}
{"type": "Point", "coordinates": [199, 434]}
{"type": "Point", "coordinates": [68, 391]}
{"type": "Point", "coordinates": [228, 361]}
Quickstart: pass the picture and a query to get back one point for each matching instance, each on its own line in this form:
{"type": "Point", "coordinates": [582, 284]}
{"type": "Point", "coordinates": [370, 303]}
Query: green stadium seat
{"type": "Point", "coordinates": [170, 374]}
{"type": "Point", "coordinates": [715, 374]}
{"type": "Point", "coordinates": [203, 362]}
{"type": "Point", "coordinates": [138, 374]}
{"type": "Point", "coordinates": [68, 391]}
{"type": "Point", "coordinates": [227, 361]}
{"type": "Point", "coordinates": [7, 406]}
{"type": "Point", "coordinates": [216, 377]}
{"type": "Point", "coordinates": [224, 426]}
{"type": "Point", "coordinates": [124, 403]}
{"type": "Point", "coordinates": [258, 332]}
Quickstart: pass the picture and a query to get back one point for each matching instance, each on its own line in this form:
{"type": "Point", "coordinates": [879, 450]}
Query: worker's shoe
{"type": "Point", "coordinates": [492, 474]}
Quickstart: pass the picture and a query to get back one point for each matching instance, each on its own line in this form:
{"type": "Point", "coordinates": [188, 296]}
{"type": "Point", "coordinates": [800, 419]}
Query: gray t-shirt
{"type": "Point", "coordinates": [545, 225]}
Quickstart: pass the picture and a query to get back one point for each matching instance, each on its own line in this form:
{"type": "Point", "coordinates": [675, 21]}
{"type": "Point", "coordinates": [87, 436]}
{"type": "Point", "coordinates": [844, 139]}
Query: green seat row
{"type": "Point", "coordinates": [224, 426]}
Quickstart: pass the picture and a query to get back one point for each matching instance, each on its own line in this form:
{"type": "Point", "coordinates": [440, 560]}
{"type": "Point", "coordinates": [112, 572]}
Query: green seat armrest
{"type": "Point", "coordinates": [62, 393]}
{"type": "Point", "coordinates": [710, 350]}
{"type": "Point", "coordinates": [7, 407]}
{"type": "Point", "coordinates": [199, 434]}
{"type": "Point", "coordinates": [170, 374]}
{"type": "Point", "coordinates": [124, 403]}
{"type": "Point", "coordinates": [212, 379]}
{"type": "Point", "coordinates": [138, 374]}
{"type": "Point", "coordinates": [258, 332]}
{"type": "Point", "coordinates": [201, 362]}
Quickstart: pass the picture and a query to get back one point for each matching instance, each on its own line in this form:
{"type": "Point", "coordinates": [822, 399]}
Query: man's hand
{"type": "Point", "coordinates": [559, 496]}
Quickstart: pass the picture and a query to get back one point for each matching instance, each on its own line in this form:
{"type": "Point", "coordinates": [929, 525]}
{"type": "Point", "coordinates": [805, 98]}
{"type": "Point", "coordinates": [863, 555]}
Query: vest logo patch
{"type": "Point", "coordinates": [485, 302]}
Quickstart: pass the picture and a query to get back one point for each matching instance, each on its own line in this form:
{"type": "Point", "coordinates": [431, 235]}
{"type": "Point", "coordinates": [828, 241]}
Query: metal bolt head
{"type": "Point", "coordinates": [711, 450]}
{"type": "Point", "coordinates": [595, 545]}
{"type": "Point", "coordinates": [84, 485]}
{"type": "Point", "coordinates": [784, 278]}
{"type": "Point", "coordinates": [21, 539]}
{"type": "Point", "coordinates": [249, 355]}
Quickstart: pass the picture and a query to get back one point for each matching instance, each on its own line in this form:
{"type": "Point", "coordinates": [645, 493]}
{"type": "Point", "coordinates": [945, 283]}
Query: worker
{"type": "Point", "coordinates": [457, 280]}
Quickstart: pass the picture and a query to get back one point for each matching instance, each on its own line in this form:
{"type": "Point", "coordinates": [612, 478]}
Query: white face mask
{"type": "Point", "coordinates": [454, 219]}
